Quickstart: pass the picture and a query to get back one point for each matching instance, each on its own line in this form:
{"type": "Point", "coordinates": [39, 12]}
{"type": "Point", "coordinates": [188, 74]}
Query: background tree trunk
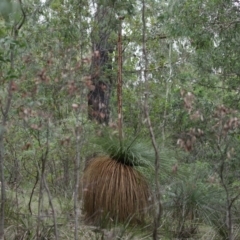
{"type": "Point", "coordinates": [101, 66]}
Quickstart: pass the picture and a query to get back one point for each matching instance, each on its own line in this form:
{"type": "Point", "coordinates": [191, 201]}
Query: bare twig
{"type": "Point", "coordinates": [157, 199]}
{"type": "Point", "coordinates": [32, 192]}
{"type": "Point", "coordinates": [40, 199]}
{"type": "Point", "coordinates": [21, 22]}
{"type": "Point", "coordinates": [229, 201]}
{"type": "Point", "coordinates": [52, 207]}
{"type": "Point", "coordinates": [47, 189]}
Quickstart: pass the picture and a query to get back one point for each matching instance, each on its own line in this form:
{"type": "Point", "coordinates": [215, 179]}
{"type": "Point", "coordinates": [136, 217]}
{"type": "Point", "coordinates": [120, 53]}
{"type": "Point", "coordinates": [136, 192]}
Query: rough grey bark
{"type": "Point", "coordinates": [101, 67]}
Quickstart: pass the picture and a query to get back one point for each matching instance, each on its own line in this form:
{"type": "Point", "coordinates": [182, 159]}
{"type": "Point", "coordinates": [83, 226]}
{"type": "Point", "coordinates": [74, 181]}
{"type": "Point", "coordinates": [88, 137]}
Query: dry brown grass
{"type": "Point", "coordinates": [114, 192]}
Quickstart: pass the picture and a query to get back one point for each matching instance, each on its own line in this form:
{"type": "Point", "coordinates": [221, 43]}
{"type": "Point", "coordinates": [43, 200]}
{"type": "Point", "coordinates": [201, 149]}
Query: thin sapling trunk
{"type": "Point", "coordinates": [157, 196]}
{"type": "Point", "coordinates": [119, 86]}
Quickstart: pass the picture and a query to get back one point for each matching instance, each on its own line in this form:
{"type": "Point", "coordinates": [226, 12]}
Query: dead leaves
{"type": "Point", "coordinates": [222, 120]}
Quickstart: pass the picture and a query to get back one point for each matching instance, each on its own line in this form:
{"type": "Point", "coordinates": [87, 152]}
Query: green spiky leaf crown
{"type": "Point", "coordinates": [131, 152]}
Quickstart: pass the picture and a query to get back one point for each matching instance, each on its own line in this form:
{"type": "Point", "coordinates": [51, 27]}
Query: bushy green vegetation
{"type": "Point", "coordinates": [51, 52]}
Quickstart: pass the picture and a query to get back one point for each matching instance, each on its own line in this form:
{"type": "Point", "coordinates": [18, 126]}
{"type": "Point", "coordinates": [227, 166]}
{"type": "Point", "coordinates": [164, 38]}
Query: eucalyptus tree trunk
{"type": "Point", "coordinates": [101, 67]}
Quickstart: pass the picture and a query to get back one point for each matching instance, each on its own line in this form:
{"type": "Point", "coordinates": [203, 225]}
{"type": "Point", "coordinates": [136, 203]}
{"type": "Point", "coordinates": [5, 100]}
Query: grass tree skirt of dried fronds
{"type": "Point", "coordinates": [114, 192]}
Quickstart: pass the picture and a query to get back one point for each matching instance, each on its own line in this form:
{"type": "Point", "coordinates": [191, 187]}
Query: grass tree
{"type": "Point", "coordinates": [114, 190]}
